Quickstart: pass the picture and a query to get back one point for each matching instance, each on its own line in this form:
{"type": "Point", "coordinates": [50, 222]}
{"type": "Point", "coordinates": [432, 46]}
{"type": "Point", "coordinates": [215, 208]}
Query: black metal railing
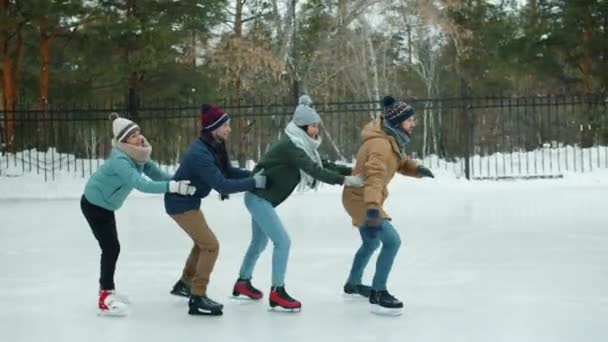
{"type": "Point", "coordinates": [491, 137]}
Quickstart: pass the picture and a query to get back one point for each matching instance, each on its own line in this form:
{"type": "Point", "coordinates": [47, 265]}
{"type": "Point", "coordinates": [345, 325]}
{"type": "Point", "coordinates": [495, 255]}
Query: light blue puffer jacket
{"type": "Point", "coordinates": [110, 185]}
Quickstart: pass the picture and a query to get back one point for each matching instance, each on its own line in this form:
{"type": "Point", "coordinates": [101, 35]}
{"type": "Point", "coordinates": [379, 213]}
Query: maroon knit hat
{"type": "Point", "coordinates": [212, 117]}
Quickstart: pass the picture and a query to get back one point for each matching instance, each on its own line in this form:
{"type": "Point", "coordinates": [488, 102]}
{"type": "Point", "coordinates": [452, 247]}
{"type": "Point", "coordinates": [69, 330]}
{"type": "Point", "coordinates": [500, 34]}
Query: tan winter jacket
{"type": "Point", "coordinates": [377, 161]}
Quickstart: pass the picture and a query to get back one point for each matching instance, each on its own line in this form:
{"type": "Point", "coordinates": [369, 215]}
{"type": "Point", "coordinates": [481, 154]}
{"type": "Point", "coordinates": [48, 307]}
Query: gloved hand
{"type": "Point", "coordinates": [354, 181]}
{"type": "Point", "coordinates": [424, 172]}
{"type": "Point", "coordinates": [372, 219]}
{"type": "Point", "coordinates": [260, 180]}
{"type": "Point", "coordinates": [181, 187]}
{"type": "Point", "coordinates": [373, 222]}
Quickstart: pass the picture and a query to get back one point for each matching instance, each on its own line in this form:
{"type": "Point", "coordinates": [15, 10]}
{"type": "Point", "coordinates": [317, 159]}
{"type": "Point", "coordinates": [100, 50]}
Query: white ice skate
{"type": "Point", "coordinates": [112, 304]}
{"type": "Point", "coordinates": [121, 297]}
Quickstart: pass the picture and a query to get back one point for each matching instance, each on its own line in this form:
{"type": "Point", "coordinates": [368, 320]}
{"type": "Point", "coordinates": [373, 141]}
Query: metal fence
{"type": "Point", "coordinates": [497, 137]}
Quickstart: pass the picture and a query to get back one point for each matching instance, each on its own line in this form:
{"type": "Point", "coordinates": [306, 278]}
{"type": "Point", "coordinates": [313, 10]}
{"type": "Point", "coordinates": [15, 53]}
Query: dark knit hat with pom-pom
{"type": "Point", "coordinates": [395, 112]}
{"type": "Point", "coordinates": [212, 117]}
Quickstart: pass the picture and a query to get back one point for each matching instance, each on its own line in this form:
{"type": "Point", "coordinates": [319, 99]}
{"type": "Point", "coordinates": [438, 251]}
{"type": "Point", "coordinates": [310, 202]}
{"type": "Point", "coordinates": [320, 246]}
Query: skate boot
{"type": "Point", "coordinates": [203, 305]}
{"type": "Point", "coordinates": [384, 303]}
{"type": "Point", "coordinates": [279, 297]}
{"type": "Point", "coordinates": [112, 304]}
{"type": "Point", "coordinates": [244, 287]}
{"type": "Point", "coordinates": [181, 289]}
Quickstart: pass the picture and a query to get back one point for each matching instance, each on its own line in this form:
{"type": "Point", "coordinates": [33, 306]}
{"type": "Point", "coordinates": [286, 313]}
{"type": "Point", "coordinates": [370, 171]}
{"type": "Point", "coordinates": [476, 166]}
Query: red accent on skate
{"type": "Point", "coordinates": [277, 300]}
{"type": "Point", "coordinates": [103, 294]}
{"type": "Point", "coordinates": [242, 289]}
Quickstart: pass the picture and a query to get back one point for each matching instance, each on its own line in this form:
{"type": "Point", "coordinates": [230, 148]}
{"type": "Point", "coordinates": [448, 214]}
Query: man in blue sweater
{"type": "Point", "coordinates": [207, 166]}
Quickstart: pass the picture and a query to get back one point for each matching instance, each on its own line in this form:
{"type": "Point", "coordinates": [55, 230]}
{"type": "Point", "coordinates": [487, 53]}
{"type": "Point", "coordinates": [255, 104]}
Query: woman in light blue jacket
{"type": "Point", "coordinates": [106, 191]}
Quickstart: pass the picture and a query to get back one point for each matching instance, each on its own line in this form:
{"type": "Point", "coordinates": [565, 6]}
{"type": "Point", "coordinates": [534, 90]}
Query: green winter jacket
{"type": "Point", "coordinates": [282, 164]}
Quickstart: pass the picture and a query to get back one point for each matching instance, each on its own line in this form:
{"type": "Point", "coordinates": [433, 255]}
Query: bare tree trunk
{"type": "Point", "coordinates": [11, 43]}
{"type": "Point", "coordinates": [373, 67]}
{"type": "Point", "coordinates": [434, 127]}
{"type": "Point", "coordinates": [133, 99]}
{"type": "Point", "coordinates": [533, 5]}
{"type": "Point", "coordinates": [44, 130]}
{"type": "Point", "coordinates": [373, 64]}
{"type": "Point", "coordinates": [134, 79]}
{"type": "Point", "coordinates": [45, 58]}
{"type": "Point", "coordinates": [283, 29]}
{"type": "Point", "coordinates": [237, 35]}
{"type": "Point", "coordinates": [585, 61]}
{"type": "Point", "coordinates": [193, 47]}
{"type": "Point", "coordinates": [241, 133]}
{"type": "Point", "coordinates": [425, 131]}
{"type": "Point", "coordinates": [586, 68]}
{"type": "Point", "coordinates": [9, 85]}
{"type": "Point", "coordinates": [348, 11]}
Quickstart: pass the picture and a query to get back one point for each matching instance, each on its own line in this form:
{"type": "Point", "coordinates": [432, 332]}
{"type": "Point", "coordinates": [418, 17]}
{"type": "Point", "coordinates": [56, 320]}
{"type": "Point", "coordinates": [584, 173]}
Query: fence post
{"type": "Point", "coordinates": [468, 128]}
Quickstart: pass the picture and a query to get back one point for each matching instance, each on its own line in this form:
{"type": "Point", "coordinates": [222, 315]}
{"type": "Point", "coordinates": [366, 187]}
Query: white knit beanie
{"type": "Point", "coordinates": [122, 127]}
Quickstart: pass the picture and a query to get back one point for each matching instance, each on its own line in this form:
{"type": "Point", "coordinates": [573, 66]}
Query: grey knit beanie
{"type": "Point", "coordinates": [304, 114]}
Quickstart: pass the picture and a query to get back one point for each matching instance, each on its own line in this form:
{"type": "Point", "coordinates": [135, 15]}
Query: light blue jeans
{"type": "Point", "coordinates": [265, 223]}
{"type": "Point", "coordinates": [371, 239]}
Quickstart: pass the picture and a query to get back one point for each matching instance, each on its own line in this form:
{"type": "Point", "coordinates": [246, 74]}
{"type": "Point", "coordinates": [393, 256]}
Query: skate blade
{"type": "Point", "coordinates": [113, 313]}
{"type": "Point", "coordinates": [115, 309]}
{"type": "Point", "coordinates": [382, 311]}
{"type": "Point", "coordinates": [180, 294]}
{"type": "Point", "coordinates": [355, 297]}
{"type": "Point", "coordinates": [280, 309]}
{"type": "Point", "coordinates": [200, 312]}
{"type": "Point", "coordinates": [243, 300]}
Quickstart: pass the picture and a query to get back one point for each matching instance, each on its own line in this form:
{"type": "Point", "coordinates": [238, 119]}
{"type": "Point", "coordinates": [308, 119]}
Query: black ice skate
{"type": "Point", "coordinates": [385, 304]}
{"type": "Point", "coordinates": [181, 289]}
{"type": "Point", "coordinates": [359, 289]}
{"type": "Point", "coordinates": [203, 305]}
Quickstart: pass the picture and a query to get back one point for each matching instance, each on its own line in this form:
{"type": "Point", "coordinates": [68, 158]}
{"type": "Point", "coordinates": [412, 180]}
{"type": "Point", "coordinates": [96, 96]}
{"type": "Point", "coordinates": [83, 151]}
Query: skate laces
{"type": "Point", "coordinates": [385, 294]}
{"type": "Point", "coordinates": [209, 300]}
{"type": "Point", "coordinates": [248, 285]}
{"type": "Point", "coordinates": [115, 296]}
{"type": "Point", "coordinates": [281, 291]}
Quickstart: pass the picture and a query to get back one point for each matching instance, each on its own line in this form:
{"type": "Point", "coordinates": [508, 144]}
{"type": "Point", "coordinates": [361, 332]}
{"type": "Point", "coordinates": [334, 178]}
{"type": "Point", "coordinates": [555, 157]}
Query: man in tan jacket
{"type": "Point", "coordinates": [381, 155]}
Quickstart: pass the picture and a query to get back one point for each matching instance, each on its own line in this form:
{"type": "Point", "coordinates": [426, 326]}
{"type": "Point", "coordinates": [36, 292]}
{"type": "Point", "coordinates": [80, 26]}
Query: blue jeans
{"type": "Point", "coordinates": [265, 223]}
{"type": "Point", "coordinates": [371, 239]}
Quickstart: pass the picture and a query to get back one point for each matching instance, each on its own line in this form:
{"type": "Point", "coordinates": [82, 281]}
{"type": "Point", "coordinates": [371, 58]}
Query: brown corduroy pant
{"type": "Point", "coordinates": [203, 255]}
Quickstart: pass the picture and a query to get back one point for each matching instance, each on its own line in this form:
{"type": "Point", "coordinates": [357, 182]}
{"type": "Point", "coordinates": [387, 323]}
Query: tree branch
{"type": "Point", "coordinates": [254, 17]}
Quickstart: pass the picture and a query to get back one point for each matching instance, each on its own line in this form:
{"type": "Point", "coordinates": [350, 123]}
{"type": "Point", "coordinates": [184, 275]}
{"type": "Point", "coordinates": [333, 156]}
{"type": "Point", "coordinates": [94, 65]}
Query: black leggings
{"type": "Point", "coordinates": [103, 225]}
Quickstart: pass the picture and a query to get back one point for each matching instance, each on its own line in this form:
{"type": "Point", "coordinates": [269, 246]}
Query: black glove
{"type": "Point", "coordinates": [424, 172]}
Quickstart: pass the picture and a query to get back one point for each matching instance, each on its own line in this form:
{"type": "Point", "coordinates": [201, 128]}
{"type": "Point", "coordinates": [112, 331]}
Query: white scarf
{"type": "Point", "coordinates": [310, 145]}
{"type": "Point", "coordinates": [140, 154]}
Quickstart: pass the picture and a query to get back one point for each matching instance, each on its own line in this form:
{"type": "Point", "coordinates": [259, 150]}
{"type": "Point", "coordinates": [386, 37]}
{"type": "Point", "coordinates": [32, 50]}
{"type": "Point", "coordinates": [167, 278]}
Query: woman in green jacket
{"type": "Point", "coordinates": [294, 160]}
